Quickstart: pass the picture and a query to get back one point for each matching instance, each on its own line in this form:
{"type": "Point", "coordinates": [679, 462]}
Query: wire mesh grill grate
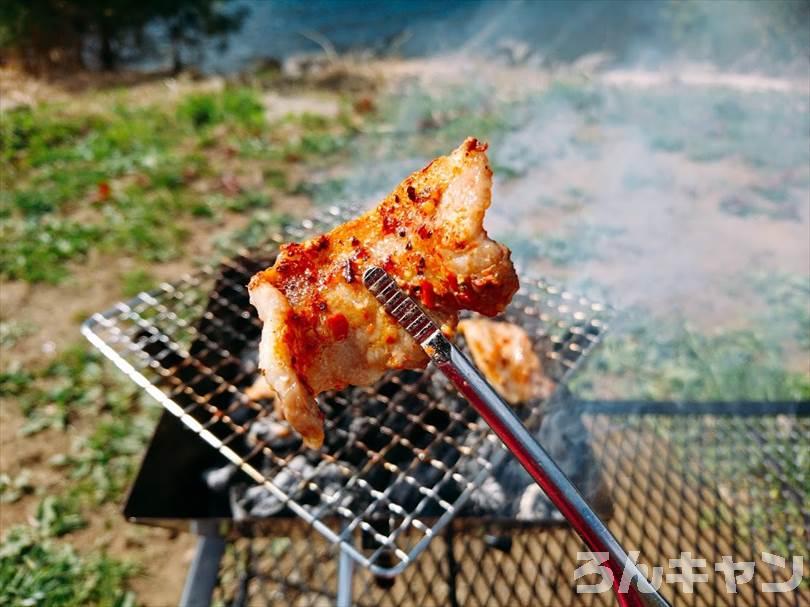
{"type": "Point", "coordinates": [712, 485]}
{"type": "Point", "coordinates": [401, 457]}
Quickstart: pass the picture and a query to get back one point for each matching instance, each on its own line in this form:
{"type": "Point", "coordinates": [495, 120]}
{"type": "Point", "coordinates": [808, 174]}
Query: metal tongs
{"type": "Point", "coordinates": [517, 438]}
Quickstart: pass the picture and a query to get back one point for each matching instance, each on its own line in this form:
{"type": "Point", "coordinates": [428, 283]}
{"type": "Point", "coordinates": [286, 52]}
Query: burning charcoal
{"type": "Point", "coordinates": [249, 358]}
{"type": "Point", "coordinates": [489, 498]}
{"type": "Point", "coordinates": [499, 542]}
{"type": "Point", "coordinates": [565, 438]}
{"type": "Point", "coordinates": [332, 478]}
{"type": "Point", "coordinates": [259, 501]}
{"type": "Point", "coordinates": [219, 478]}
{"type": "Point", "coordinates": [277, 435]}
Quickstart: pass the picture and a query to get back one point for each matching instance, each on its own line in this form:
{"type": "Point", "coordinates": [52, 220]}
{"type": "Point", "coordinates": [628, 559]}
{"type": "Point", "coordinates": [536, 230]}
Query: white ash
{"type": "Point", "coordinates": [490, 496]}
{"type": "Point", "coordinates": [218, 479]}
{"type": "Point", "coordinates": [535, 505]}
{"type": "Point", "coordinates": [294, 480]}
{"type": "Point", "coordinates": [332, 479]}
{"type": "Point", "coordinates": [277, 435]}
{"type": "Point", "coordinates": [259, 501]}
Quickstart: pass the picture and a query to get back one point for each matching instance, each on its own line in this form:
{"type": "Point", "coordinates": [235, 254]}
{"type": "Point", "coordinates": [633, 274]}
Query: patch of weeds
{"type": "Point", "coordinates": [244, 107]}
{"type": "Point", "coordinates": [136, 281]}
{"type": "Point", "coordinates": [253, 234]}
{"type": "Point", "coordinates": [580, 243]}
{"type": "Point", "coordinates": [14, 382]}
{"type": "Point", "coordinates": [58, 516]}
{"type": "Point", "coordinates": [38, 251]}
{"type": "Point", "coordinates": [137, 224]}
{"type": "Point", "coordinates": [581, 96]}
{"type": "Point", "coordinates": [27, 132]}
{"type": "Point", "coordinates": [748, 205]}
{"type": "Point", "coordinates": [666, 142]}
{"type": "Point", "coordinates": [13, 489]}
{"type": "Point", "coordinates": [33, 203]}
{"type": "Point", "coordinates": [11, 331]}
{"type": "Point", "coordinates": [242, 202]}
{"type": "Point", "coordinates": [52, 396]}
{"type": "Point", "coordinates": [788, 313]}
{"type": "Point", "coordinates": [635, 179]}
{"type": "Point", "coordinates": [101, 464]}
{"type": "Point", "coordinates": [201, 109]}
{"type": "Point", "coordinates": [328, 191]}
{"type": "Point", "coordinates": [663, 360]}
{"type": "Point", "coordinates": [427, 123]}
{"type": "Point", "coordinates": [275, 178]}
{"type": "Point", "coordinates": [707, 150]}
{"type": "Point", "coordinates": [167, 175]}
{"type": "Point", "coordinates": [772, 194]}
{"type": "Point", "coordinates": [241, 106]}
{"type": "Point", "coordinates": [76, 384]}
{"type": "Point", "coordinates": [313, 144]}
{"type": "Point", "coordinates": [35, 569]}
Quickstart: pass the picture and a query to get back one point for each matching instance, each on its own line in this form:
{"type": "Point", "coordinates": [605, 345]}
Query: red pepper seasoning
{"type": "Point", "coordinates": [338, 325]}
{"type": "Point", "coordinates": [426, 294]}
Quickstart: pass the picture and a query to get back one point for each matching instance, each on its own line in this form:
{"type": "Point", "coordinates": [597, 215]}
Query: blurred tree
{"type": "Point", "coordinates": [44, 34]}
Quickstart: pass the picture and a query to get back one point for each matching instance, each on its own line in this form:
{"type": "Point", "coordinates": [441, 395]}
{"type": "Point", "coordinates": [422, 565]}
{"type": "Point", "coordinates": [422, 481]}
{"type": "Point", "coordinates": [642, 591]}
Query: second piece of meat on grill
{"type": "Point", "coordinates": [323, 330]}
{"type": "Point", "coordinates": [505, 355]}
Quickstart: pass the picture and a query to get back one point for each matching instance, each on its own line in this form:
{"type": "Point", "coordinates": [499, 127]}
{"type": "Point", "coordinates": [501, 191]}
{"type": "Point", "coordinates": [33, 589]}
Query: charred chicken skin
{"type": "Point", "coordinates": [323, 330]}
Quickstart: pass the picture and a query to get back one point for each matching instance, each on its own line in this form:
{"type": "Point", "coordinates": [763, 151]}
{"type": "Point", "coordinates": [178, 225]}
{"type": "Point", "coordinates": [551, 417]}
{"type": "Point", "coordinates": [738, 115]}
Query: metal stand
{"type": "Point", "coordinates": [344, 581]}
{"type": "Point", "coordinates": [204, 571]}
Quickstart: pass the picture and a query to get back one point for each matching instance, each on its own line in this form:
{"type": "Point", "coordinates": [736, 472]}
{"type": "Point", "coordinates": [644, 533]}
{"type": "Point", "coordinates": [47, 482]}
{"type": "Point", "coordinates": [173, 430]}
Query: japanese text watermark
{"type": "Point", "coordinates": [688, 571]}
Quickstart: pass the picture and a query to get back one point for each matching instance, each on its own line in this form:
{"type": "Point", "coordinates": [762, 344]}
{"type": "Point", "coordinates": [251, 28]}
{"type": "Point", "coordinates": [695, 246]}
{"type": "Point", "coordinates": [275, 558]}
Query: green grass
{"type": "Point", "coordinates": [79, 385]}
{"type": "Point", "coordinates": [787, 307]}
{"type": "Point", "coordinates": [128, 180]}
{"type": "Point", "coordinates": [136, 281]}
{"type": "Point", "coordinates": [238, 105]}
{"type": "Point", "coordinates": [37, 251]}
{"type": "Point", "coordinates": [659, 359]}
{"type": "Point", "coordinates": [36, 569]}
{"type": "Point", "coordinates": [13, 489]}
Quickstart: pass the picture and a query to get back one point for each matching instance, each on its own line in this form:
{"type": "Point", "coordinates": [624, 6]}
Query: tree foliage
{"type": "Point", "coordinates": [48, 34]}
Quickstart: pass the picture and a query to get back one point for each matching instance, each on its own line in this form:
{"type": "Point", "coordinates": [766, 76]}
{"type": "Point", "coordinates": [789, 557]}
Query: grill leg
{"type": "Point", "coordinates": [345, 576]}
{"type": "Point", "coordinates": [204, 570]}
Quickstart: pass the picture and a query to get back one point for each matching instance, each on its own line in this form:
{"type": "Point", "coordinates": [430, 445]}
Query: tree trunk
{"type": "Point", "coordinates": [177, 60]}
{"type": "Point", "coordinates": [106, 53]}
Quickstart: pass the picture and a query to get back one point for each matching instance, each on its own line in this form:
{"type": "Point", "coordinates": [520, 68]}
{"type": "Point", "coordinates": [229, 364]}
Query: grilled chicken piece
{"type": "Point", "coordinates": [504, 354]}
{"type": "Point", "coordinates": [323, 330]}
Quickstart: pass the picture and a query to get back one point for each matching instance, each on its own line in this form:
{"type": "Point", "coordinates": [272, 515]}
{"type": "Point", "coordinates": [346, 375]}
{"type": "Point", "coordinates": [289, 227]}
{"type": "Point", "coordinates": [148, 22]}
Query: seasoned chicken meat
{"type": "Point", "coordinates": [323, 330]}
{"type": "Point", "coordinates": [504, 354]}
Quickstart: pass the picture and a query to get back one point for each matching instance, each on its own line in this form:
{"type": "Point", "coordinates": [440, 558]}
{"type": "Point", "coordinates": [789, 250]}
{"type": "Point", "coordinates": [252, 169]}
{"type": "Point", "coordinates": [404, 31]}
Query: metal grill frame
{"type": "Point", "coordinates": [551, 309]}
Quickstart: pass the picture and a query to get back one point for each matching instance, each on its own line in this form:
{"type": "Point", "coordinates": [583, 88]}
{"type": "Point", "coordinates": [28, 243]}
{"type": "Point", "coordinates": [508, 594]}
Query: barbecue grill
{"type": "Point", "coordinates": [406, 468]}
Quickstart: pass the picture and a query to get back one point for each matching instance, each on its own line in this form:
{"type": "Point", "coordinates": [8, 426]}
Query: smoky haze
{"type": "Point", "coordinates": [674, 188]}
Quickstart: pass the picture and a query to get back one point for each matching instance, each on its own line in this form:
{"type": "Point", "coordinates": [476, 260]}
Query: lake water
{"type": "Point", "coordinates": [549, 30]}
